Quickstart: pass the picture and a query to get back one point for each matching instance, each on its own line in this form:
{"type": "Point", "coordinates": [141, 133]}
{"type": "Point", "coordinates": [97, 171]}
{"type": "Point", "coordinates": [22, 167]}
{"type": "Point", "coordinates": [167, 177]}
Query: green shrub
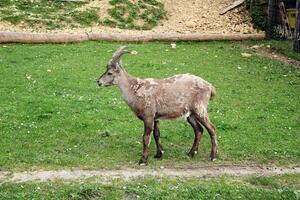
{"type": "Point", "coordinates": [4, 3]}
{"type": "Point", "coordinates": [258, 14]}
{"type": "Point", "coordinates": [279, 33]}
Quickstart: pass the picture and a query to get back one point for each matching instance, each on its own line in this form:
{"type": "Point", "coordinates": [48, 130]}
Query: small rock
{"type": "Point", "coordinates": [246, 55]}
{"type": "Point", "coordinates": [190, 24]}
{"type": "Point", "coordinates": [254, 47]}
{"type": "Point", "coordinates": [173, 45]}
{"type": "Point", "coordinates": [134, 52]}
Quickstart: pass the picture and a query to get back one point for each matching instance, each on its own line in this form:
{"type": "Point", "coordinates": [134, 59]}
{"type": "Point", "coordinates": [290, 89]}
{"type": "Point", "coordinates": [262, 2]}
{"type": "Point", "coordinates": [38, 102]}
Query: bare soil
{"type": "Point", "coordinates": [277, 56]}
{"type": "Point", "coordinates": [187, 16]}
{"type": "Point", "coordinates": [202, 172]}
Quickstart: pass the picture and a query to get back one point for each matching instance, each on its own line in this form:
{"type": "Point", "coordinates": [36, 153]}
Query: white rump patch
{"type": "Point", "coordinates": [186, 115]}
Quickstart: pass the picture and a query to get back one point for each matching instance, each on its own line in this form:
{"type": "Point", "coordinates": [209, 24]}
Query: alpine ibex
{"type": "Point", "coordinates": [183, 95]}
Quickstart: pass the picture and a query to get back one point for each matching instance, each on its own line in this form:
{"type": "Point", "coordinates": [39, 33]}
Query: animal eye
{"type": "Point", "coordinates": [109, 73]}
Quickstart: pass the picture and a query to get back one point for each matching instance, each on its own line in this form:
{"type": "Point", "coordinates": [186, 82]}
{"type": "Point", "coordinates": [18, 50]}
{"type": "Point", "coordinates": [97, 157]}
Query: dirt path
{"type": "Point", "coordinates": [277, 56]}
{"type": "Point", "coordinates": [202, 172]}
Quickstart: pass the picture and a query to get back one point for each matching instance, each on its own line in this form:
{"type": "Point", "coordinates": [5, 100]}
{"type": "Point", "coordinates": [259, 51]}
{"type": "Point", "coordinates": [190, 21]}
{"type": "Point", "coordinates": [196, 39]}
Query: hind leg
{"type": "Point", "coordinates": [156, 133]}
{"type": "Point", "coordinates": [204, 120]}
{"type": "Point", "coordinates": [198, 130]}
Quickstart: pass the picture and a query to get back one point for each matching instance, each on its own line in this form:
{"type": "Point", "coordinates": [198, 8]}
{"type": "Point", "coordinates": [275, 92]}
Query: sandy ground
{"type": "Point", "coordinates": [107, 175]}
{"type": "Point", "coordinates": [187, 16]}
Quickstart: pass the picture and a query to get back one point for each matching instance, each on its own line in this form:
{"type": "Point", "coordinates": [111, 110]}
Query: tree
{"type": "Point", "coordinates": [297, 31]}
{"type": "Point", "coordinates": [272, 10]}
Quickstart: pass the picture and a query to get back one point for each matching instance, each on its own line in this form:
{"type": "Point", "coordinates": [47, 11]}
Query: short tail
{"type": "Point", "coordinates": [213, 93]}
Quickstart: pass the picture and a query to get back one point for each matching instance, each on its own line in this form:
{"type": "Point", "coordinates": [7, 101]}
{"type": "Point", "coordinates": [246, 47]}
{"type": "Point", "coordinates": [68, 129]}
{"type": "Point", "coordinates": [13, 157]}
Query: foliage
{"type": "Point", "coordinates": [5, 3]}
{"type": "Point", "coordinates": [257, 13]}
{"type": "Point", "coordinates": [279, 33]}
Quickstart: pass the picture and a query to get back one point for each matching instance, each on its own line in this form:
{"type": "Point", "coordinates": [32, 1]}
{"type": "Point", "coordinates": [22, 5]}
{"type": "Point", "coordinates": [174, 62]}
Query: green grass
{"type": "Point", "coordinates": [275, 181]}
{"type": "Point", "coordinates": [284, 47]}
{"type": "Point", "coordinates": [154, 188]}
{"type": "Point", "coordinates": [87, 17]}
{"type": "Point", "coordinates": [53, 14]}
{"type": "Point", "coordinates": [53, 115]}
{"type": "Point", "coordinates": [50, 14]}
{"type": "Point", "coordinates": [125, 14]}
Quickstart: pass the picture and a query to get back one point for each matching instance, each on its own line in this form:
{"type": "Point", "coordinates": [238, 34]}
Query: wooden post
{"type": "Point", "coordinates": [272, 9]}
{"type": "Point", "coordinates": [297, 31]}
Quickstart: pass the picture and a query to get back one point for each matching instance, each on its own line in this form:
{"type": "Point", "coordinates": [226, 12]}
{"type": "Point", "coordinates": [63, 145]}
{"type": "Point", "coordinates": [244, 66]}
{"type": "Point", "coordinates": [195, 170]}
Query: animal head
{"type": "Point", "coordinates": [113, 69]}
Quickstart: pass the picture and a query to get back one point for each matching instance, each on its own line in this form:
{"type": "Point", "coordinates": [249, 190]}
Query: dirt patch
{"type": "Point", "coordinates": [202, 172]}
{"type": "Point", "coordinates": [277, 56]}
{"type": "Point", "coordinates": [203, 16]}
{"type": "Point", "coordinates": [188, 16]}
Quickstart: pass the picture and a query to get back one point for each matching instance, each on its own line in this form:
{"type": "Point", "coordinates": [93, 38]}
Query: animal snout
{"type": "Point", "coordinates": [99, 82]}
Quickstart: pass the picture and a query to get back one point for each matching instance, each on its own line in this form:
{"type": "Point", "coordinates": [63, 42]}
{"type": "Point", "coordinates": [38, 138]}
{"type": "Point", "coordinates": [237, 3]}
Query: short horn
{"type": "Point", "coordinates": [117, 55]}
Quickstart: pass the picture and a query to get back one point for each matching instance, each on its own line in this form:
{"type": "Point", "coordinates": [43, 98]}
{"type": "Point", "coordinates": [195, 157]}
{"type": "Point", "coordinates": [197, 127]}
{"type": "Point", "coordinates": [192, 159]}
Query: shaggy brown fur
{"type": "Point", "coordinates": [183, 95]}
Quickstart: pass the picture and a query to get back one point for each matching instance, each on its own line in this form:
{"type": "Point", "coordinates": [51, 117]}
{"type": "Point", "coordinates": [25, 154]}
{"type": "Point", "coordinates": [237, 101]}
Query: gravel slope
{"type": "Point", "coordinates": [187, 16]}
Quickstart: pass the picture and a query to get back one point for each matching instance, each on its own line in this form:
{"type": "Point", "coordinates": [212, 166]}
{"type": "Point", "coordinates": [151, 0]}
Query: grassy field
{"type": "Point", "coordinates": [271, 188]}
{"type": "Point", "coordinates": [53, 115]}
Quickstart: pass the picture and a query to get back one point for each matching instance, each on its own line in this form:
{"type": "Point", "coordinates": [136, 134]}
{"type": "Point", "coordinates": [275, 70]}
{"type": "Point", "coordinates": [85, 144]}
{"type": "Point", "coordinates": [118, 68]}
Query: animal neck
{"type": "Point", "coordinates": [126, 85]}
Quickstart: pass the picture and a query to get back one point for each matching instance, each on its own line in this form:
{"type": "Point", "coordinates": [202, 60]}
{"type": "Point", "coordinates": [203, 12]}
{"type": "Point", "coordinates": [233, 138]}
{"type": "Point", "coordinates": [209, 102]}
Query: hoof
{"type": "Point", "coordinates": [213, 157]}
{"type": "Point", "coordinates": [159, 155]}
{"type": "Point", "coordinates": [191, 154]}
{"type": "Point", "coordinates": [143, 162]}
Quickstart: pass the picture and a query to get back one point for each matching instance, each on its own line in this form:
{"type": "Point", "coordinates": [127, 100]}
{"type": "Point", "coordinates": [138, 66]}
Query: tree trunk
{"type": "Point", "coordinates": [272, 10]}
{"type": "Point", "coordinates": [297, 32]}
{"type": "Point", "coordinates": [8, 37]}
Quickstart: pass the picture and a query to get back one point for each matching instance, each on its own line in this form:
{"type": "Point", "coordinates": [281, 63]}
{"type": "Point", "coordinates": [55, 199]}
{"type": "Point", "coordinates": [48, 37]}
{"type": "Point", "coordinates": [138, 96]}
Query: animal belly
{"type": "Point", "coordinates": [172, 114]}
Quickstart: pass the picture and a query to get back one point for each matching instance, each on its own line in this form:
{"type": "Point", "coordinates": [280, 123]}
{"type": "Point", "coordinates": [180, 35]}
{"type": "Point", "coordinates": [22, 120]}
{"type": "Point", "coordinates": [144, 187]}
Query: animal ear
{"type": "Point", "coordinates": [117, 55]}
